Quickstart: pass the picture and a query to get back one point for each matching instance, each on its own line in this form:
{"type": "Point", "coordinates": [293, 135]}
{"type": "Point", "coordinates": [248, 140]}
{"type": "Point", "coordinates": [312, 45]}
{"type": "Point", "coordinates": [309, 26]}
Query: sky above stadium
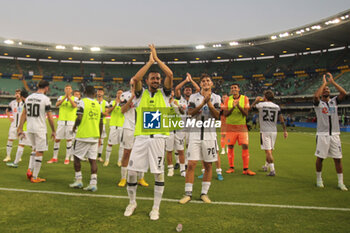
{"type": "Point", "coordinates": [162, 22]}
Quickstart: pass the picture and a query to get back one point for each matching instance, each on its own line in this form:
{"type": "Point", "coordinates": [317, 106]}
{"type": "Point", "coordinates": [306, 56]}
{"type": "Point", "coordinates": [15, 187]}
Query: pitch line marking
{"type": "Point", "coordinates": [174, 200]}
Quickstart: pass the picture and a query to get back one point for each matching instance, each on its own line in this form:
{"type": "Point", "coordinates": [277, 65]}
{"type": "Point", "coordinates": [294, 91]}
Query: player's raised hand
{"type": "Point", "coordinates": [153, 51]}
{"type": "Point", "coordinates": [330, 77]}
{"type": "Point", "coordinates": [188, 77]}
{"type": "Point", "coordinates": [259, 98]}
{"type": "Point", "coordinates": [324, 80]}
{"type": "Point", "coordinates": [151, 58]}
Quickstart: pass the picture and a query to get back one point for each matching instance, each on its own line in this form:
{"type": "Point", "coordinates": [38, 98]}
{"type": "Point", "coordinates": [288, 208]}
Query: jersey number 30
{"type": "Point", "coordinates": [33, 110]}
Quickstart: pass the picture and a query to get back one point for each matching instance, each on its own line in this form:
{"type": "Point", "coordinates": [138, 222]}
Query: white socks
{"type": "Point", "coordinates": [9, 148]}
{"type": "Point", "coordinates": [19, 154]}
{"type": "Point", "coordinates": [100, 148]}
{"type": "Point", "coordinates": [132, 186]}
{"type": "Point", "coordinates": [78, 176]}
{"type": "Point", "coordinates": [56, 148]}
{"type": "Point", "coordinates": [182, 167]}
{"type": "Point", "coordinates": [272, 167]}
{"type": "Point", "coordinates": [37, 166]}
{"type": "Point", "coordinates": [68, 149]}
{"type": "Point", "coordinates": [340, 178]}
{"type": "Point", "coordinates": [93, 180]}
{"type": "Point", "coordinates": [158, 190]}
{"type": "Point", "coordinates": [319, 176]}
{"type": "Point", "coordinates": [31, 161]}
{"type": "Point", "coordinates": [108, 152]}
{"type": "Point", "coordinates": [124, 172]}
{"type": "Point", "coordinates": [219, 171]}
{"type": "Point", "coordinates": [188, 189]}
{"type": "Point", "coordinates": [205, 187]}
{"type": "Point", "coordinates": [120, 152]}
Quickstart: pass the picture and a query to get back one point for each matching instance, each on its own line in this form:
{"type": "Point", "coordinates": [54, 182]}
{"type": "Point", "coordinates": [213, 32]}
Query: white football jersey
{"type": "Point", "coordinates": [184, 105]}
{"type": "Point", "coordinates": [36, 106]}
{"type": "Point", "coordinates": [129, 116]}
{"type": "Point", "coordinates": [327, 117]}
{"type": "Point", "coordinates": [203, 133]}
{"type": "Point", "coordinates": [268, 116]}
{"type": "Point", "coordinates": [16, 108]}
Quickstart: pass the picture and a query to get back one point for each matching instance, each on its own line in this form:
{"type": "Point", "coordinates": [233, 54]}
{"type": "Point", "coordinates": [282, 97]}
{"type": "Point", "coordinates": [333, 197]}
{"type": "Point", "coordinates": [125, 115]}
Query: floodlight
{"type": "Point", "coordinates": [200, 46]}
{"type": "Point", "coordinates": [60, 47]}
{"type": "Point", "coordinates": [9, 42]}
{"type": "Point", "coordinates": [95, 49]}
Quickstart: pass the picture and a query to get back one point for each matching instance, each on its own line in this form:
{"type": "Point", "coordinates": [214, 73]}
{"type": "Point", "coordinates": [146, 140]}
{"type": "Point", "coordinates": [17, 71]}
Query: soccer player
{"type": "Point", "coordinates": [104, 104]}
{"type": "Point", "coordinates": [328, 131]}
{"type": "Point", "coordinates": [203, 106]}
{"type": "Point", "coordinates": [149, 145]}
{"type": "Point", "coordinates": [16, 107]}
{"type": "Point", "coordinates": [128, 109]}
{"type": "Point", "coordinates": [269, 112]}
{"type": "Point", "coordinates": [236, 112]}
{"type": "Point", "coordinates": [23, 140]}
{"type": "Point", "coordinates": [223, 125]}
{"type": "Point", "coordinates": [90, 124]}
{"type": "Point", "coordinates": [183, 102]}
{"type": "Point", "coordinates": [67, 113]}
{"type": "Point", "coordinates": [77, 94]}
{"type": "Point", "coordinates": [176, 137]}
{"type": "Point", "coordinates": [115, 128]}
{"type": "Point", "coordinates": [37, 107]}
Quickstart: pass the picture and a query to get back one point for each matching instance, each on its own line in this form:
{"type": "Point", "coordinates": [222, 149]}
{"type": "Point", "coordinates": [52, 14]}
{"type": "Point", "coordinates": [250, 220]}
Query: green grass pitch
{"type": "Point", "coordinates": [294, 185]}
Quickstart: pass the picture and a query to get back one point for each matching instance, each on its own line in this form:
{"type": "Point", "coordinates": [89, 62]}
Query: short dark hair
{"type": "Point", "coordinates": [204, 75]}
{"type": "Point", "coordinates": [235, 84]}
{"type": "Point", "coordinates": [24, 93]}
{"type": "Point", "coordinates": [76, 91]}
{"type": "Point", "coordinates": [68, 85]}
{"type": "Point", "coordinates": [18, 90]}
{"type": "Point", "coordinates": [89, 90]}
{"type": "Point", "coordinates": [187, 86]}
{"type": "Point", "coordinates": [152, 71]}
{"type": "Point", "coordinates": [100, 89]}
{"type": "Point", "coordinates": [43, 83]}
{"type": "Point", "coordinates": [269, 95]}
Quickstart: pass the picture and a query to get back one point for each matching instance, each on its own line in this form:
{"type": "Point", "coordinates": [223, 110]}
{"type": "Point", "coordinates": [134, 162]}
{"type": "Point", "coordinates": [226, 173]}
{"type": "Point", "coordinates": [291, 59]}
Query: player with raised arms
{"type": "Point", "coordinates": [328, 131]}
{"type": "Point", "coordinates": [148, 149]}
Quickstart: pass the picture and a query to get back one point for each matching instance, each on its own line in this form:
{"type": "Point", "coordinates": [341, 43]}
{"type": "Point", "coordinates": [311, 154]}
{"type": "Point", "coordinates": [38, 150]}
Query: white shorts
{"type": "Point", "coordinates": [64, 132]}
{"type": "Point", "coordinates": [24, 140]}
{"type": "Point", "coordinates": [38, 141]}
{"type": "Point", "coordinates": [205, 150]}
{"type": "Point", "coordinates": [127, 139]}
{"type": "Point", "coordinates": [267, 140]}
{"type": "Point", "coordinates": [13, 133]}
{"type": "Point", "coordinates": [85, 149]}
{"type": "Point", "coordinates": [328, 146]}
{"type": "Point", "coordinates": [115, 135]}
{"type": "Point", "coordinates": [104, 134]}
{"type": "Point", "coordinates": [176, 140]}
{"type": "Point", "coordinates": [147, 153]}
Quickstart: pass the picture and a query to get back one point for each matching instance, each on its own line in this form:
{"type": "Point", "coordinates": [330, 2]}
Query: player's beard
{"type": "Point", "coordinates": [325, 95]}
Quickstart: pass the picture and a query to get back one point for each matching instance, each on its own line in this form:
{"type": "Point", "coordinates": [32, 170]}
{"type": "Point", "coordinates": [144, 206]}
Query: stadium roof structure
{"type": "Point", "coordinates": [329, 33]}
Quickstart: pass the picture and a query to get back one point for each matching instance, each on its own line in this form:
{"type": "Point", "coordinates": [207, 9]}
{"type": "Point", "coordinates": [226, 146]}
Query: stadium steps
{"type": "Point", "coordinates": [41, 71]}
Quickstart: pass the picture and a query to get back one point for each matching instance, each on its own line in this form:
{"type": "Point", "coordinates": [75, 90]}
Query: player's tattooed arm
{"type": "Point", "coordinates": [168, 81]}
{"type": "Point", "coordinates": [52, 124]}
{"type": "Point", "coordinates": [179, 86]}
{"type": "Point", "coordinates": [285, 133]}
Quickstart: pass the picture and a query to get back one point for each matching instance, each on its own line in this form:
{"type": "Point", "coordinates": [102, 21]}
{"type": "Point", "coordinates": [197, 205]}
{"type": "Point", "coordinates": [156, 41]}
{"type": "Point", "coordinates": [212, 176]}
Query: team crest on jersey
{"type": "Point", "coordinates": [325, 110]}
{"type": "Point", "coordinates": [152, 120]}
